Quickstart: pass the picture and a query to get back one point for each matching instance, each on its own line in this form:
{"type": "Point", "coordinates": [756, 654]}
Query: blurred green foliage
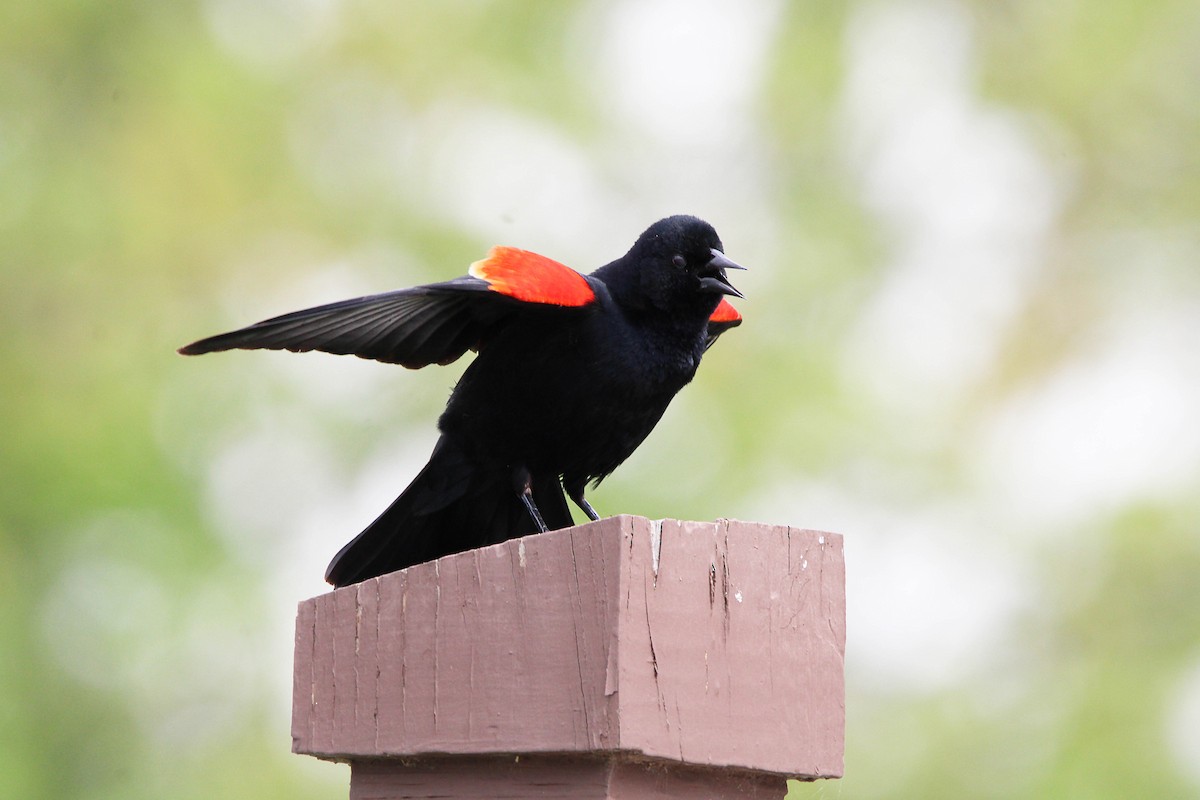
{"type": "Point", "coordinates": [168, 170]}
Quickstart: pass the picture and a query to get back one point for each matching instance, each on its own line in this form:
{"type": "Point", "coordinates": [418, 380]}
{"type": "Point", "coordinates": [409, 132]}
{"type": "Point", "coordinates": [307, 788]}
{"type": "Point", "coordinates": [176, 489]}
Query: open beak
{"type": "Point", "coordinates": [713, 278]}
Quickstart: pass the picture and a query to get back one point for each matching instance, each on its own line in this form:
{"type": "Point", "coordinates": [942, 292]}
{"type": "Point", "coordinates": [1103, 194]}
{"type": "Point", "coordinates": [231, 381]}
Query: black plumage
{"type": "Point", "coordinates": [572, 374]}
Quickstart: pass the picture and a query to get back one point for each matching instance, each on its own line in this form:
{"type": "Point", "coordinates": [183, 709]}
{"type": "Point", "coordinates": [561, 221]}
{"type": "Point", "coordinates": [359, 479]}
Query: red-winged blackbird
{"type": "Point", "coordinates": [573, 371]}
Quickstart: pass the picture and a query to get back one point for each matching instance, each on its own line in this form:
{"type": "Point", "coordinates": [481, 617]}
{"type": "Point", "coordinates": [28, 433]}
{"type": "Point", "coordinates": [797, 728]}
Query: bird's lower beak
{"type": "Point", "coordinates": [713, 278]}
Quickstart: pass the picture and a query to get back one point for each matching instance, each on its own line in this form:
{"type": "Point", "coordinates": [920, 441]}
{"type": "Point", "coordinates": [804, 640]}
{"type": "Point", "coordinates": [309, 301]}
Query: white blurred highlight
{"type": "Point", "coordinates": [270, 34]}
{"type": "Point", "coordinates": [1182, 723]}
{"type": "Point", "coordinates": [684, 72]}
{"type": "Point", "coordinates": [1114, 426]}
{"type": "Point", "coordinates": [961, 189]}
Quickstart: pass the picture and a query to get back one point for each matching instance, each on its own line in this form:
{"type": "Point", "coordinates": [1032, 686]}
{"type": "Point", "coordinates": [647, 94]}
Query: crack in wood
{"type": "Point", "coordinates": [378, 667]}
{"type": "Point", "coordinates": [576, 610]}
{"type": "Point", "coordinates": [656, 526]}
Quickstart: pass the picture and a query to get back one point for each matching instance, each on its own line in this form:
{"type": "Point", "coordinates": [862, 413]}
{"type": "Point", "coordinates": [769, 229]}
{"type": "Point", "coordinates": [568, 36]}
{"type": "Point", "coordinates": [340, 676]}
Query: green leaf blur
{"type": "Point", "coordinates": [970, 345]}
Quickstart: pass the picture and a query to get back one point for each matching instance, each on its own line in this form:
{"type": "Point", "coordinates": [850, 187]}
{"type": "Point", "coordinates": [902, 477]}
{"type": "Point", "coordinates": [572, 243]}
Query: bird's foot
{"type": "Point", "coordinates": [576, 495]}
{"type": "Point", "coordinates": [523, 483]}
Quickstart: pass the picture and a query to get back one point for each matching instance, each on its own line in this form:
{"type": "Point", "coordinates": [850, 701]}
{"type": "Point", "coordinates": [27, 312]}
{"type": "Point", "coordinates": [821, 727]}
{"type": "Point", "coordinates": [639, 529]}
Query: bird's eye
{"type": "Point", "coordinates": [679, 261]}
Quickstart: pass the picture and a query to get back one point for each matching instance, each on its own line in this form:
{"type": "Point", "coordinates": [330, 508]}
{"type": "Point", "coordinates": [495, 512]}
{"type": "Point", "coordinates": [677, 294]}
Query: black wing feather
{"type": "Point", "coordinates": [414, 327]}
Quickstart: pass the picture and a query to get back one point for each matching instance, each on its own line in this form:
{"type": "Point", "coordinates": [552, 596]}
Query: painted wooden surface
{"type": "Point", "coordinates": [712, 645]}
{"type": "Point", "coordinates": [553, 778]}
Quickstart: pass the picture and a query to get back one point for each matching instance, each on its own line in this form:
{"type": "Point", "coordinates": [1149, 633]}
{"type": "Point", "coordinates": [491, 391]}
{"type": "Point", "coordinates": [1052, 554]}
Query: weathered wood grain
{"type": "Point", "coordinates": [553, 778]}
{"type": "Point", "coordinates": [626, 641]}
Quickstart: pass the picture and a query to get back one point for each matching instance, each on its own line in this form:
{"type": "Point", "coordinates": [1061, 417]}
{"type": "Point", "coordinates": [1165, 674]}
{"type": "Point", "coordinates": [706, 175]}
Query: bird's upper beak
{"type": "Point", "coordinates": [713, 278]}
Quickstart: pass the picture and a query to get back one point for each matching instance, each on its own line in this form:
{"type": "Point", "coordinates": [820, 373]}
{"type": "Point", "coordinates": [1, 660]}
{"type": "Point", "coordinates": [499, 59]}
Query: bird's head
{"type": "Point", "coordinates": [676, 265]}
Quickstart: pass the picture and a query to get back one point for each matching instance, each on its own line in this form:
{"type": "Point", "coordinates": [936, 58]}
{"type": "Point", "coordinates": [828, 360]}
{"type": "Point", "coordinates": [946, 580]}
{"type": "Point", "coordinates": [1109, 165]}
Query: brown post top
{"type": "Point", "coordinates": [625, 652]}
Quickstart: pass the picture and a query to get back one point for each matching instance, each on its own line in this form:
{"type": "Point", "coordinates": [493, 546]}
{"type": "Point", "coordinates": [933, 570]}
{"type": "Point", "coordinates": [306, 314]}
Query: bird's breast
{"type": "Point", "coordinates": [571, 398]}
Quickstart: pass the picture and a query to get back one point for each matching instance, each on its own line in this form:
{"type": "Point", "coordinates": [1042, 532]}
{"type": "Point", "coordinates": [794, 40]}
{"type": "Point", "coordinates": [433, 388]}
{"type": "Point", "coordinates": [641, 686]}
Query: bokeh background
{"type": "Point", "coordinates": [972, 345]}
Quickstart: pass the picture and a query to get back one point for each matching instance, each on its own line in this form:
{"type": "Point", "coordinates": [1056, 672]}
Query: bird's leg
{"type": "Point", "coordinates": [523, 483]}
{"type": "Point", "coordinates": [575, 492]}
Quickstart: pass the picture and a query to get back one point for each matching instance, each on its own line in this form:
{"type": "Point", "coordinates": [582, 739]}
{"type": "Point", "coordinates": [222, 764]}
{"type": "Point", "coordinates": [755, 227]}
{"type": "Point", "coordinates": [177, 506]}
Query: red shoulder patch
{"type": "Point", "coordinates": [531, 278]}
{"type": "Point", "coordinates": [725, 314]}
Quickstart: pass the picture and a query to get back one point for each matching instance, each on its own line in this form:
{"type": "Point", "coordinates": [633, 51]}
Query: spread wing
{"type": "Point", "coordinates": [433, 324]}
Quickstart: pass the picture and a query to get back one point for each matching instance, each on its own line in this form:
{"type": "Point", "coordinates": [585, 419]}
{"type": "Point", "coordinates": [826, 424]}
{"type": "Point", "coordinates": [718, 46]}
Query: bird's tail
{"type": "Point", "coordinates": [455, 503]}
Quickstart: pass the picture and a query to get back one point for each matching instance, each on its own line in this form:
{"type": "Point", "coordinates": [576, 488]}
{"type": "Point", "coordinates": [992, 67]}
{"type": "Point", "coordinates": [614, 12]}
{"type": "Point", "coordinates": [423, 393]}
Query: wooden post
{"type": "Point", "coordinates": [625, 658]}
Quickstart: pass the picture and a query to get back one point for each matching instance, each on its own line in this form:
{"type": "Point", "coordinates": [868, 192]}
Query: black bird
{"type": "Point", "coordinates": [573, 372]}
